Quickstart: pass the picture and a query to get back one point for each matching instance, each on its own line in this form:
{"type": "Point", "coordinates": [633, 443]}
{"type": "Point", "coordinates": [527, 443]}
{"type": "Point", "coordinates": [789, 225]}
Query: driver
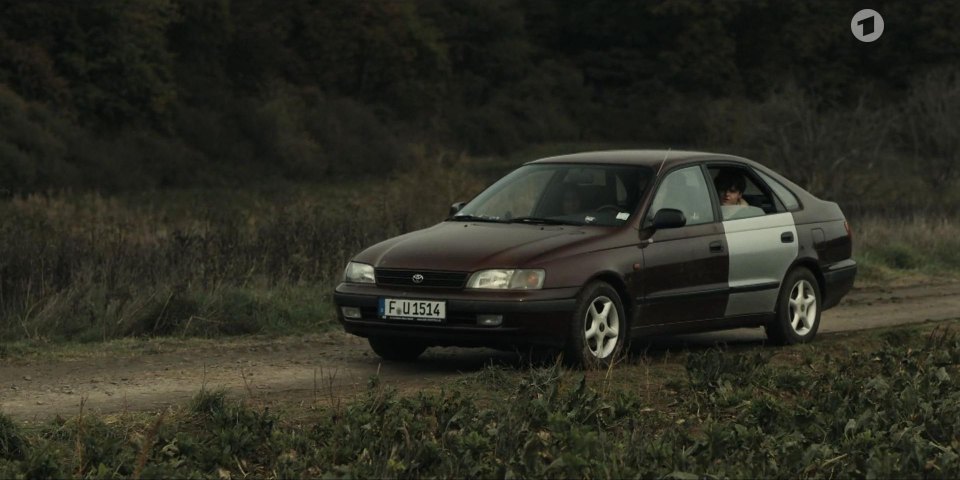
{"type": "Point", "coordinates": [570, 202]}
{"type": "Point", "coordinates": [730, 187]}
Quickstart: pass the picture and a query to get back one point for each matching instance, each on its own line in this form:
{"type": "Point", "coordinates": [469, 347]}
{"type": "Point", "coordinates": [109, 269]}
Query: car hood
{"type": "Point", "coordinates": [472, 246]}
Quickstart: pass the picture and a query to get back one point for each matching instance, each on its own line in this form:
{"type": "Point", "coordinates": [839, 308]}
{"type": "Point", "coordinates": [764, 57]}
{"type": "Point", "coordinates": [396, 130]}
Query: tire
{"type": "Point", "coordinates": [599, 328]}
{"type": "Point", "coordinates": [798, 309]}
{"type": "Point", "coordinates": [395, 349]}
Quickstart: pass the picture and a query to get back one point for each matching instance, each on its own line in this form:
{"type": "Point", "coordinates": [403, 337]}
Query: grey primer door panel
{"type": "Point", "coordinates": [760, 255]}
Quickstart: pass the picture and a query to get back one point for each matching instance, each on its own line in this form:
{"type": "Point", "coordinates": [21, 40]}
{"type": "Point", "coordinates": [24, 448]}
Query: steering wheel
{"type": "Point", "coordinates": [607, 207]}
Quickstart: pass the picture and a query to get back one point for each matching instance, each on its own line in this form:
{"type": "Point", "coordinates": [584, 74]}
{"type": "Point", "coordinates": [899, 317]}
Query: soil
{"type": "Point", "coordinates": [334, 366]}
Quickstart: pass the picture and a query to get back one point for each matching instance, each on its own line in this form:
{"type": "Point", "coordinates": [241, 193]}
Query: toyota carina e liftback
{"type": "Point", "coordinates": [584, 252]}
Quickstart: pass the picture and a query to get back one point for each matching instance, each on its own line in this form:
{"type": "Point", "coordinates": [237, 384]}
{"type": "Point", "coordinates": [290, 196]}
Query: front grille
{"type": "Point", "coordinates": [431, 278]}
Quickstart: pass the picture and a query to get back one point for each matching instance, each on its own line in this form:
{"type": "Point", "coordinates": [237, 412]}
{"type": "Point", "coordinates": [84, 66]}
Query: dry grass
{"type": "Point", "coordinates": [887, 247]}
{"type": "Point", "coordinates": [86, 267]}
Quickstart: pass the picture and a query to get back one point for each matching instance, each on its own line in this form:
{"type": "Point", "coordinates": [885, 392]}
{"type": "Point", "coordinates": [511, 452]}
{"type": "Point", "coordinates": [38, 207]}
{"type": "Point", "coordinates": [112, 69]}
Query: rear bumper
{"type": "Point", "coordinates": [540, 317]}
{"type": "Point", "coordinates": [838, 280]}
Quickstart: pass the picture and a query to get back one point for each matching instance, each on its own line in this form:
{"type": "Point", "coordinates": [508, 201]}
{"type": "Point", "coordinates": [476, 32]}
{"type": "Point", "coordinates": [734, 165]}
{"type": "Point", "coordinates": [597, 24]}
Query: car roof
{"type": "Point", "coordinates": [649, 158]}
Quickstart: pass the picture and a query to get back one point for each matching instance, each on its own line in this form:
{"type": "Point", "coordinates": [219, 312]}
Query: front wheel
{"type": "Point", "coordinates": [396, 349]}
{"type": "Point", "coordinates": [599, 327]}
{"type": "Point", "coordinates": [798, 309]}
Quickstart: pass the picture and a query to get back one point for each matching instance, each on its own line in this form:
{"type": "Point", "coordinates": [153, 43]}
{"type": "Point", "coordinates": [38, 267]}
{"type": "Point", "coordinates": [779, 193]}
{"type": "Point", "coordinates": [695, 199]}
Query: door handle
{"type": "Point", "coordinates": [786, 237]}
{"type": "Point", "coordinates": [716, 246]}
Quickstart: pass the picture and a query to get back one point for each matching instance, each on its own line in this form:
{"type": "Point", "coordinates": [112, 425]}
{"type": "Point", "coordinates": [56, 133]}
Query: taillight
{"type": "Point", "coordinates": [846, 226]}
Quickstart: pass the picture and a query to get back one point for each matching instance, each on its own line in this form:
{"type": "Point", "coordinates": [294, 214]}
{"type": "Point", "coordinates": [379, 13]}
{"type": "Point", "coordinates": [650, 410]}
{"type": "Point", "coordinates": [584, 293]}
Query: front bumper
{"type": "Point", "coordinates": [533, 317]}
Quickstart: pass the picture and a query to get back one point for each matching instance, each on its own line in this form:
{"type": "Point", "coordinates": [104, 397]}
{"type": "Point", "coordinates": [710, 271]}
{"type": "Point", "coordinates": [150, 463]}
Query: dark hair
{"type": "Point", "coordinates": [729, 179]}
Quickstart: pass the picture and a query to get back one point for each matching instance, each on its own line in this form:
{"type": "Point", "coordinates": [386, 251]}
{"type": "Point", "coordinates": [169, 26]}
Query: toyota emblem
{"type": "Point", "coordinates": [417, 278]}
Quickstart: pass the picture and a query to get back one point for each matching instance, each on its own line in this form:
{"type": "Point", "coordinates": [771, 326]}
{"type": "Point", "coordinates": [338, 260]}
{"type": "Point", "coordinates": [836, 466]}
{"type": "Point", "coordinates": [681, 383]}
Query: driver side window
{"type": "Point", "coordinates": [684, 190]}
{"type": "Point", "coordinates": [739, 194]}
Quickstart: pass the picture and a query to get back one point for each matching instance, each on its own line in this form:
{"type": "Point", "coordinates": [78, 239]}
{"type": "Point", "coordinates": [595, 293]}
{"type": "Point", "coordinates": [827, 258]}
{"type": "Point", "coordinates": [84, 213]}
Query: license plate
{"type": "Point", "coordinates": [405, 309]}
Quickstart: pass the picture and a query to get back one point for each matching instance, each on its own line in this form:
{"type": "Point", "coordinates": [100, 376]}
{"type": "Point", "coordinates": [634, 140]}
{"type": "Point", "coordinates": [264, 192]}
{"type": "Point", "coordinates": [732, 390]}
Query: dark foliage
{"type": "Point", "coordinates": [125, 95]}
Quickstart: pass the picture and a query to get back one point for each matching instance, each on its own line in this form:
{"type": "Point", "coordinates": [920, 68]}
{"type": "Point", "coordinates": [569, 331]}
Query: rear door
{"type": "Point", "coordinates": [762, 242]}
{"type": "Point", "coordinates": [684, 274]}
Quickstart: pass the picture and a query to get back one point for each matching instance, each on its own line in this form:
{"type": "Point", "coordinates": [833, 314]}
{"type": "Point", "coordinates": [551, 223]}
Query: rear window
{"type": "Point", "coordinates": [787, 197]}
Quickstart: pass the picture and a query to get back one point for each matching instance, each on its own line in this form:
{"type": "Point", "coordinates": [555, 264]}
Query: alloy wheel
{"type": "Point", "coordinates": [601, 327]}
{"type": "Point", "coordinates": [803, 307]}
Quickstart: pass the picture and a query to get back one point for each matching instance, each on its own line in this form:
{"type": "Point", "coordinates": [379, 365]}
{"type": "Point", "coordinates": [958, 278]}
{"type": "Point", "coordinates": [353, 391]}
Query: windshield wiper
{"type": "Point", "coordinates": [541, 220]}
{"type": "Point", "coordinates": [474, 218]}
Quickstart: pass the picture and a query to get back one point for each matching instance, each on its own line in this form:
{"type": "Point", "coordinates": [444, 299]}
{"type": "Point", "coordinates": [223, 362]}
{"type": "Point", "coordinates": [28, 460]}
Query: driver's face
{"type": "Point", "coordinates": [571, 202]}
{"type": "Point", "coordinates": [731, 197]}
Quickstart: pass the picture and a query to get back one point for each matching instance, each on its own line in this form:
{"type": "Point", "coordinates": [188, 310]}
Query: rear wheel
{"type": "Point", "coordinates": [396, 349]}
{"type": "Point", "coordinates": [798, 309]}
{"type": "Point", "coordinates": [598, 328]}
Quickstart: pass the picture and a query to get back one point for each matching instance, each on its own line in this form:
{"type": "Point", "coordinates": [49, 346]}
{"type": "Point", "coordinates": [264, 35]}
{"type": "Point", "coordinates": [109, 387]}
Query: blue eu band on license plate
{"type": "Point", "coordinates": [407, 309]}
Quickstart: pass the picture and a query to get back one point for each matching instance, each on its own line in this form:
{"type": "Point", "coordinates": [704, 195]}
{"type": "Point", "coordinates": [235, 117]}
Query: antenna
{"type": "Point", "coordinates": [663, 161]}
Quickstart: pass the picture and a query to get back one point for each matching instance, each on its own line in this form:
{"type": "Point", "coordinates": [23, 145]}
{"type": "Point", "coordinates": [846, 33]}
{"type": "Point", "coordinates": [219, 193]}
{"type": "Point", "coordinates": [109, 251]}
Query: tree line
{"type": "Point", "coordinates": [128, 94]}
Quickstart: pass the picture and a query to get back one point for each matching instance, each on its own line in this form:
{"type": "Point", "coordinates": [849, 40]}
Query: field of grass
{"type": "Point", "coordinates": [866, 405]}
{"type": "Point", "coordinates": [83, 267]}
{"type": "Point", "coordinates": [202, 263]}
{"type": "Point", "coordinates": [925, 245]}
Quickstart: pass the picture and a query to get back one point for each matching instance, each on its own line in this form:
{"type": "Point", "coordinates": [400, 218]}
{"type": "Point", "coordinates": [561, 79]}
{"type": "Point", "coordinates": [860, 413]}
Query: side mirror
{"type": "Point", "coordinates": [669, 218]}
{"type": "Point", "coordinates": [456, 207]}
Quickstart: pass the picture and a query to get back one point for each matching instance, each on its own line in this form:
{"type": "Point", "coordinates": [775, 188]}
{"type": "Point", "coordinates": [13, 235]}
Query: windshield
{"type": "Point", "coordinates": [605, 195]}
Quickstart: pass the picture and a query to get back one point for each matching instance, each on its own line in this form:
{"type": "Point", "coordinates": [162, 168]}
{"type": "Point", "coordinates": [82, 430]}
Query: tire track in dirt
{"type": "Point", "coordinates": [334, 366]}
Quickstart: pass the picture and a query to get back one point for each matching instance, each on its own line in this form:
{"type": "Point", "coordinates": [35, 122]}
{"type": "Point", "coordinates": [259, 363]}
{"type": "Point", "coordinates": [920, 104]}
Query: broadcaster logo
{"type": "Point", "coordinates": [867, 25]}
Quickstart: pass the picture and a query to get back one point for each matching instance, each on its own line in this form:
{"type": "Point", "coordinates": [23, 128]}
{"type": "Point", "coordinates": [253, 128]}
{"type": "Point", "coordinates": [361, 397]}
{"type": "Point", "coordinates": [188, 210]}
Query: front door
{"type": "Point", "coordinates": [685, 269]}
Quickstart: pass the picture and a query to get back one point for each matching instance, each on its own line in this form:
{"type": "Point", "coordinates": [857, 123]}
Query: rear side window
{"type": "Point", "coordinates": [789, 200]}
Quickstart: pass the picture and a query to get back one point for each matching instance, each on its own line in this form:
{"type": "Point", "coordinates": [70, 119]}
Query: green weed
{"type": "Point", "coordinates": [888, 412]}
{"type": "Point", "coordinates": [12, 444]}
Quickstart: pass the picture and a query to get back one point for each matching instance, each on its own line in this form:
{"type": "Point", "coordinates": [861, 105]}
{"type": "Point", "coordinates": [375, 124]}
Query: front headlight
{"type": "Point", "coordinates": [357, 272]}
{"type": "Point", "coordinates": [508, 279]}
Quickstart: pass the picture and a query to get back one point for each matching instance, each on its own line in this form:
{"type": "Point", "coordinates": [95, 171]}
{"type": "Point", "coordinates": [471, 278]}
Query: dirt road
{"type": "Point", "coordinates": [333, 365]}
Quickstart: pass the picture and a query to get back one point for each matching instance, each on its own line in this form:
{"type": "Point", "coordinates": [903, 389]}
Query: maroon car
{"type": "Point", "coordinates": [587, 251]}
